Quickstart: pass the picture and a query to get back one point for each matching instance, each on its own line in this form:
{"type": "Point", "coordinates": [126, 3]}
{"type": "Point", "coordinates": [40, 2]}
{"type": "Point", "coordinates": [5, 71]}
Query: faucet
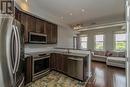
{"type": "Point", "coordinates": [68, 51]}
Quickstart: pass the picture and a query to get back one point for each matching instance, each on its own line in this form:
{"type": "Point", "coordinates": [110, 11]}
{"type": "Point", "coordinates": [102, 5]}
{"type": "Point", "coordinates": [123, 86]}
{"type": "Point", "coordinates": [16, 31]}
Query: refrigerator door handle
{"type": "Point", "coordinates": [9, 55]}
{"type": "Point", "coordinates": [19, 49]}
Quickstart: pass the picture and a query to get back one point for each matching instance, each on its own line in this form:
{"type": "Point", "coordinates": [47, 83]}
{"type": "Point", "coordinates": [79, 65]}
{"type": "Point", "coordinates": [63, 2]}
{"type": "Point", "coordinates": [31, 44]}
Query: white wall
{"type": "Point", "coordinates": [108, 36]}
{"type": "Point", "coordinates": [65, 37]}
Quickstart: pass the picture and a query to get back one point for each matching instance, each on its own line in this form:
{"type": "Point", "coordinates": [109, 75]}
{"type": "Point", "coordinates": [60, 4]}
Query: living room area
{"type": "Point", "coordinates": [106, 38]}
{"type": "Point", "coordinates": [107, 44]}
{"type": "Point", "coordinates": [108, 48]}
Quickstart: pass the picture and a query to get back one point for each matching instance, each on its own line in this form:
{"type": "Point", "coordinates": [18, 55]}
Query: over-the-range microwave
{"type": "Point", "coordinates": [37, 38]}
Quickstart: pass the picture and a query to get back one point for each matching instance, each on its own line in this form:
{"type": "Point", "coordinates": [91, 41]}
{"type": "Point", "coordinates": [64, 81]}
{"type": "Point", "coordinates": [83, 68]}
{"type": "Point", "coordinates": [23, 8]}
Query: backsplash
{"type": "Point", "coordinates": [29, 48]}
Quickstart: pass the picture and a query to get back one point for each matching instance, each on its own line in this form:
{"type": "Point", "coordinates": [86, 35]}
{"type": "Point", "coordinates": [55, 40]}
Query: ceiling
{"type": "Point", "coordinates": [79, 11]}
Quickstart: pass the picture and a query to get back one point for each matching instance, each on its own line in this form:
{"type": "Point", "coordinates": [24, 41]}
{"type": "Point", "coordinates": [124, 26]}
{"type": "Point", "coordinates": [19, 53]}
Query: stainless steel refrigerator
{"type": "Point", "coordinates": [11, 53]}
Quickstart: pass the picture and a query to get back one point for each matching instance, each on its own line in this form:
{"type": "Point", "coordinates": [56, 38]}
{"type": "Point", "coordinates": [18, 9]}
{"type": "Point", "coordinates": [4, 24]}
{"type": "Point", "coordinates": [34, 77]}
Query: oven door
{"type": "Point", "coordinates": [40, 65]}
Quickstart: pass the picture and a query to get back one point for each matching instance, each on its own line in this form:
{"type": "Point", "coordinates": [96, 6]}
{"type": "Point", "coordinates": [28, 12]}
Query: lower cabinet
{"type": "Point", "coordinates": [73, 66]}
{"type": "Point", "coordinates": [28, 70]}
{"type": "Point", "coordinates": [58, 62]}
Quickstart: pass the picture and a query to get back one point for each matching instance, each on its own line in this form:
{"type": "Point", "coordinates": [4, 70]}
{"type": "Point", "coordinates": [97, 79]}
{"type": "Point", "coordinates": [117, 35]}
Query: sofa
{"type": "Point", "coordinates": [111, 58]}
{"type": "Point", "coordinates": [117, 59]}
{"type": "Point", "coordinates": [99, 56]}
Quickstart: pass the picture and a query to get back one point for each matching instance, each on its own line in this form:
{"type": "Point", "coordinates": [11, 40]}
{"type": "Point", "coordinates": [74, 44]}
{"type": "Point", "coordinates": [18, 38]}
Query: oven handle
{"type": "Point", "coordinates": [40, 58]}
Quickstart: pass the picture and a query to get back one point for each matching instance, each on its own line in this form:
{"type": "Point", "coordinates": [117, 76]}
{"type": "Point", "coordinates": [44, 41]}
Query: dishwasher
{"type": "Point", "coordinates": [75, 67]}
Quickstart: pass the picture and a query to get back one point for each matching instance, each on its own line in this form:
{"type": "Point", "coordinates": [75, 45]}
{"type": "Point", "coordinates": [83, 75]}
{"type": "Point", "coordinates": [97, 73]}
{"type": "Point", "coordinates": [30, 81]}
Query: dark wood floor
{"type": "Point", "coordinates": [106, 76]}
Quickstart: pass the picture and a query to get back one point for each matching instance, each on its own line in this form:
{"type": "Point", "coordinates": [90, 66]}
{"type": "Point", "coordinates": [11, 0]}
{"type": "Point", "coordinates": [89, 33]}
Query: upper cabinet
{"type": "Point", "coordinates": [51, 31]}
{"type": "Point", "coordinates": [31, 25]}
{"type": "Point", "coordinates": [17, 15]}
{"type": "Point", "coordinates": [37, 25]}
{"type": "Point", "coordinates": [24, 21]}
{"type": "Point", "coordinates": [54, 33]}
{"type": "Point", "coordinates": [40, 26]}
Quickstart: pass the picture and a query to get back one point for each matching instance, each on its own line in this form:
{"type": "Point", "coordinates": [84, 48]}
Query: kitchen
{"type": "Point", "coordinates": [38, 49]}
{"type": "Point", "coordinates": [41, 56]}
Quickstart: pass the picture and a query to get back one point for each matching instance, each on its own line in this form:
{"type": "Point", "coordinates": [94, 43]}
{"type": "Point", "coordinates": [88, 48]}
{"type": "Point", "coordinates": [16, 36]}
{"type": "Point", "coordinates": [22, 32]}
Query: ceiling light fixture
{"type": "Point", "coordinates": [26, 0]}
{"type": "Point", "coordinates": [62, 18]}
{"type": "Point", "coordinates": [83, 10]}
{"type": "Point", "coordinates": [77, 27]}
{"type": "Point", "coordinates": [71, 14]}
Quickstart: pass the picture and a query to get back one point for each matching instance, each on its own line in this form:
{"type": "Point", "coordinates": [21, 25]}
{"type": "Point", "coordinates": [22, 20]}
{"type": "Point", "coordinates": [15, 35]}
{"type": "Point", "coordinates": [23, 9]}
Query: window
{"type": "Point", "coordinates": [83, 42]}
{"type": "Point", "coordinates": [99, 42]}
{"type": "Point", "coordinates": [120, 42]}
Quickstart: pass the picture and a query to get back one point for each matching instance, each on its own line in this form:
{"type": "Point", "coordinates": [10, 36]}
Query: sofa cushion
{"type": "Point", "coordinates": [116, 59]}
{"type": "Point", "coordinates": [118, 54]}
{"type": "Point", "coordinates": [108, 53]}
{"type": "Point", "coordinates": [101, 53]}
{"type": "Point", "coordinates": [99, 56]}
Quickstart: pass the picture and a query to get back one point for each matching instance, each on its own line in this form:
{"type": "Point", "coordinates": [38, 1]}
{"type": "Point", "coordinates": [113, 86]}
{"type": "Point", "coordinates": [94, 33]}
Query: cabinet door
{"type": "Point", "coordinates": [64, 64]}
{"type": "Point", "coordinates": [54, 34]}
{"type": "Point", "coordinates": [28, 70]}
{"type": "Point", "coordinates": [59, 62]}
{"type": "Point", "coordinates": [17, 15]}
{"type": "Point", "coordinates": [31, 23]}
{"type": "Point", "coordinates": [24, 22]}
{"type": "Point", "coordinates": [52, 61]}
{"type": "Point", "coordinates": [48, 32]}
{"type": "Point", "coordinates": [38, 25]}
{"type": "Point", "coordinates": [43, 29]}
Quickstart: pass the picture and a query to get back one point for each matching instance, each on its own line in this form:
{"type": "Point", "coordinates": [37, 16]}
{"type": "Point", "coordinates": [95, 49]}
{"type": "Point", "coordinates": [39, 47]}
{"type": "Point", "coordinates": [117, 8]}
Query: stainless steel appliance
{"type": "Point", "coordinates": [75, 67]}
{"type": "Point", "coordinates": [11, 53]}
{"type": "Point", "coordinates": [40, 65]}
{"type": "Point", "coordinates": [37, 38]}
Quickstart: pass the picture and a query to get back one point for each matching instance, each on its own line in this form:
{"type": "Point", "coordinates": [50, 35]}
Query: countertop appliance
{"type": "Point", "coordinates": [11, 53]}
{"type": "Point", "coordinates": [37, 38]}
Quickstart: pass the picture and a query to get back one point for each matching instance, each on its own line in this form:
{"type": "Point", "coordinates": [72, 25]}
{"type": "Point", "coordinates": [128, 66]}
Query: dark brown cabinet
{"type": "Point", "coordinates": [48, 32]}
{"type": "Point", "coordinates": [51, 31]}
{"type": "Point", "coordinates": [40, 26]}
{"type": "Point", "coordinates": [28, 70]}
{"type": "Point", "coordinates": [37, 25]}
{"type": "Point", "coordinates": [17, 14]}
{"type": "Point", "coordinates": [58, 62]}
{"type": "Point", "coordinates": [24, 21]}
{"type": "Point", "coordinates": [31, 23]}
{"type": "Point", "coordinates": [54, 33]}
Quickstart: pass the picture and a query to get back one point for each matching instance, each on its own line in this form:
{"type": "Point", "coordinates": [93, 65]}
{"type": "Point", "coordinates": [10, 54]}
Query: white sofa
{"type": "Point", "coordinates": [99, 56]}
{"type": "Point", "coordinates": [116, 61]}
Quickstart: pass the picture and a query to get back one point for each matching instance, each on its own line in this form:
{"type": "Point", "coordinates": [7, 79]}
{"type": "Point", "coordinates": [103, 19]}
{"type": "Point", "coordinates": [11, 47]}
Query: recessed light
{"type": "Point", "coordinates": [83, 10]}
{"type": "Point", "coordinates": [62, 18]}
{"type": "Point", "coordinates": [26, 0]}
{"type": "Point", "coordinates": [71, 14]}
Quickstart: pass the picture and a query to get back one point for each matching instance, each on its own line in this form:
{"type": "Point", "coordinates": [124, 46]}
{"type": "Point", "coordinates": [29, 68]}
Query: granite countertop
{"type": "Point", "coordinates": [59, 52]}
{"type": "Point", "coordinates": [71, 54]}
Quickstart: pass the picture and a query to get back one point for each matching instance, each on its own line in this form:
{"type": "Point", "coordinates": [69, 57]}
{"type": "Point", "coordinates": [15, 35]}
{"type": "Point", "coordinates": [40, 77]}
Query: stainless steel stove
{"type": "Point", "coordinates": [40, 65]}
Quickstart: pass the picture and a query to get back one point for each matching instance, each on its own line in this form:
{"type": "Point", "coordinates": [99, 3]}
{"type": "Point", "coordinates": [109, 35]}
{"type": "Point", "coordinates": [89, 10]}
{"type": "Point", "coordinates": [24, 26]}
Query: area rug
{"type": "Point", "coordinates": [55, 79]}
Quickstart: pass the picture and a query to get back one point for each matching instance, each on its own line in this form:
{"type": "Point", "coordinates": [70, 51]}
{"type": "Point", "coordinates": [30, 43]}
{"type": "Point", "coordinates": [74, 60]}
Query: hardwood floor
{"type": "Point", "coordinates": [106, 76]}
